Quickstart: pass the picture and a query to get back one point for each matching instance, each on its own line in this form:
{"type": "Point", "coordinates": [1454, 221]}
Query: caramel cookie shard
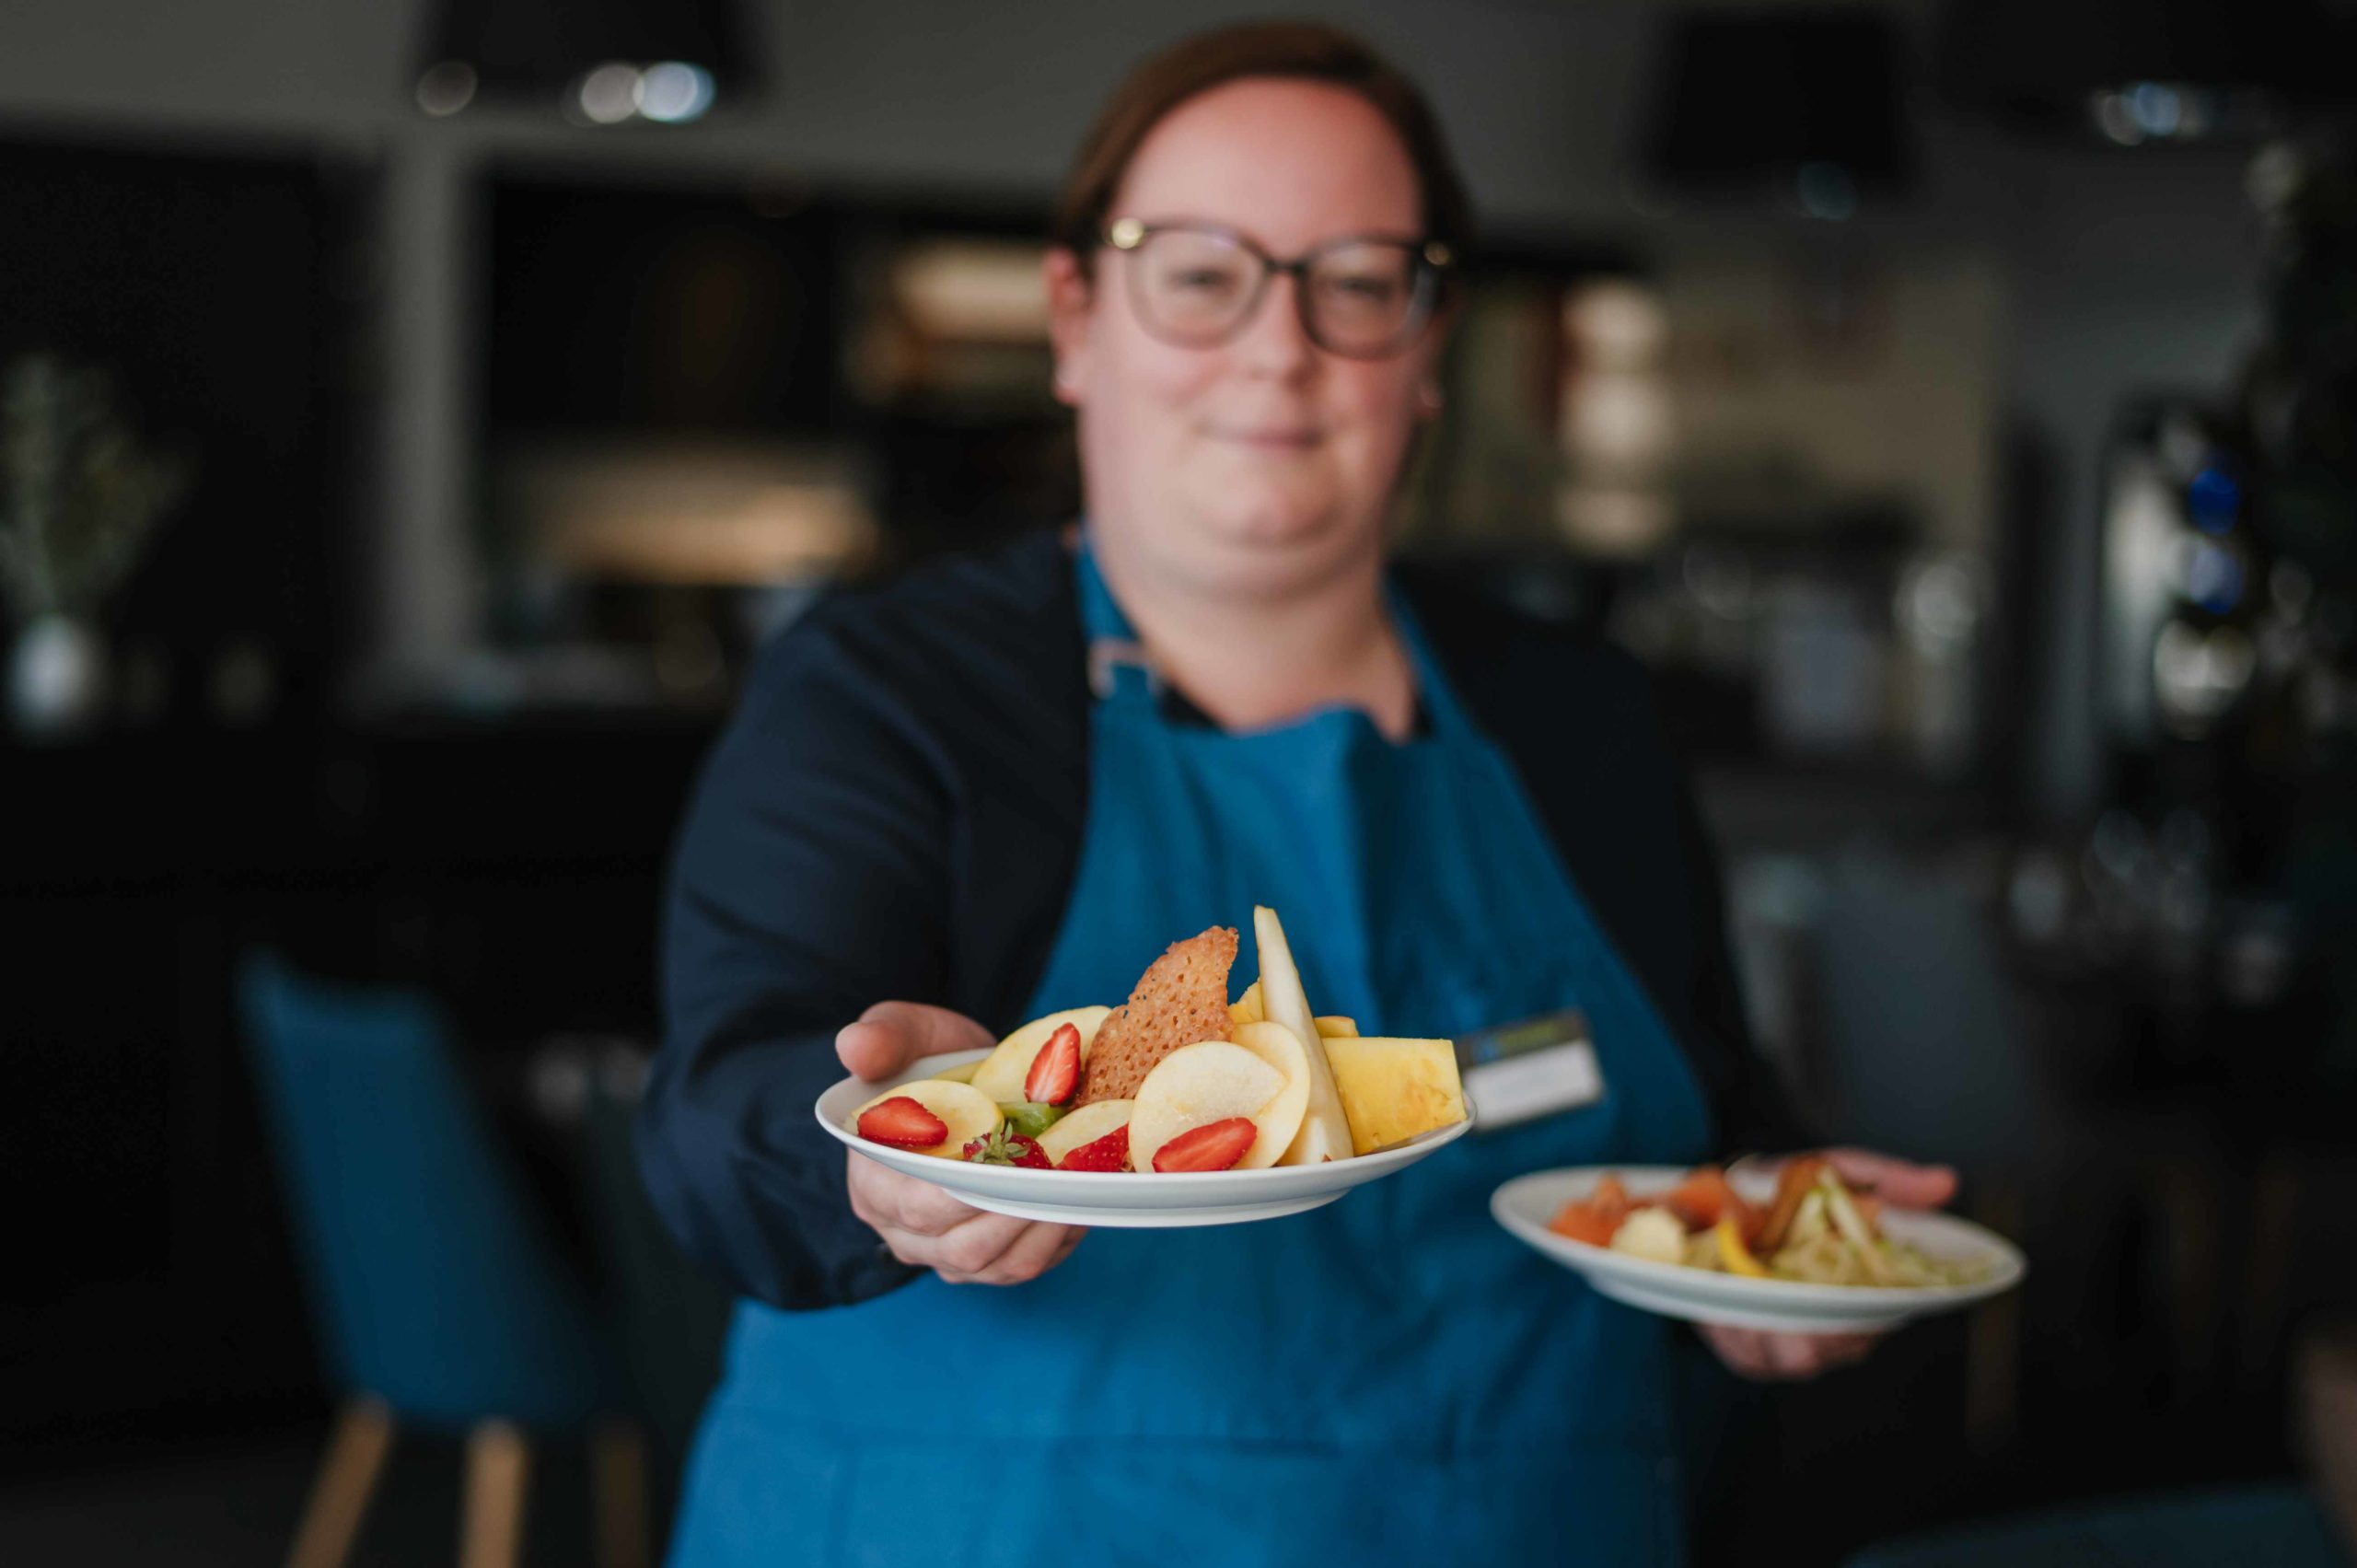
{"type": "Point", "coordinates": [1182, 999]}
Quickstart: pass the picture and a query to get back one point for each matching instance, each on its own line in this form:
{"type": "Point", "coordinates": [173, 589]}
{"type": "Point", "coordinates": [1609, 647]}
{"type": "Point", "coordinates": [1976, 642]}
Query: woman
{"type": "Point", "coordinates": [1002, 786]}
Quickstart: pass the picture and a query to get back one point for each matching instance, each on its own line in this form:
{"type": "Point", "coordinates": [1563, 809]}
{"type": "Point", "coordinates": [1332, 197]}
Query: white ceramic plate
{"type": "Point", "coordinates": [1132, 1199]}
{"type": "Point", "coordinates": [1525, 1206]}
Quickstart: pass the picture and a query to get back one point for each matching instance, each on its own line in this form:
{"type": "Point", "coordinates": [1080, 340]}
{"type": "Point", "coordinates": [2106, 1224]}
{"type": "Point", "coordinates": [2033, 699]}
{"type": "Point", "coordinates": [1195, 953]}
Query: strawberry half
{"type": "Point", "coordinates": [1215, 1145]}
{"type": "Point", "coordinates": [1003, 1147]}
{"type": "Point", "coordinates": [1109, 1153]}
{"type": "Point", "coordinates": [903, 1123]}
{"type": "Point", "coordinates": [1055, 1071]}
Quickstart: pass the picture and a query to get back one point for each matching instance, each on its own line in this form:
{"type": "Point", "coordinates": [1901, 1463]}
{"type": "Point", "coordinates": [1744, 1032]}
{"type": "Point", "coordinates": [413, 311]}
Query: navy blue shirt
{"type": "Point", "coordinates": [896, 812]}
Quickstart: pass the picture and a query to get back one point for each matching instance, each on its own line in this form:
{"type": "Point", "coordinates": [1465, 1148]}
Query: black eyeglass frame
{"type": "Point", "coordinates": [1428, 258]}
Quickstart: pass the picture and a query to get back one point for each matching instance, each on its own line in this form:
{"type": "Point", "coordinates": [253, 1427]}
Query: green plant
{"type": "Point", "coordinates": [79, 495]}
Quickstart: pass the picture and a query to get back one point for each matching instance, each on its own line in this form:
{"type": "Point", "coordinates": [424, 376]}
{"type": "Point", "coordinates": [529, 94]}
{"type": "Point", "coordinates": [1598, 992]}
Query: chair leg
{"type": "Point", "coordinates": [618, 1463]}
{"type": "Point", "coordinates": [347, 1477]}
{"type": "Point", "coordinates": [490, 1526]}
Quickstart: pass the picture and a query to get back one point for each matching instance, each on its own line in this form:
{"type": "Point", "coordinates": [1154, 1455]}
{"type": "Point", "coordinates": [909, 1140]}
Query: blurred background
{"type": "Point", "coordinates": [412, 413]}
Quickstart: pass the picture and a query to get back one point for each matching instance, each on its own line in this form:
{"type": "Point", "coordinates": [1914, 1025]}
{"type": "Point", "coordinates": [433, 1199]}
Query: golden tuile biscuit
{"type": "Point", "coordinates": [1181, 999]}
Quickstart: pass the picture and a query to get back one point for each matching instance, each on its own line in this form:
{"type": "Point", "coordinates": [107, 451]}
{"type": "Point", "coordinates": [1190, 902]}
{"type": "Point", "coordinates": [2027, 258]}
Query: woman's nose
{"type": "Point", "coordinates": [1274, 342]}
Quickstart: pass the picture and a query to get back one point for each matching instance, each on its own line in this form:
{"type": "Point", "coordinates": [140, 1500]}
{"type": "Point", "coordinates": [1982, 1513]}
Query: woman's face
{"type": "Point", "coordinates": [1262, 464]}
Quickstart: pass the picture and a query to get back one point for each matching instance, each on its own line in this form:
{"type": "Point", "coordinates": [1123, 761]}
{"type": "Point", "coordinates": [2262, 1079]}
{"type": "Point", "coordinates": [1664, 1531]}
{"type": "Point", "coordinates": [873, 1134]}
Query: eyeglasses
{"type": "Point", "coordinates": [1195, 285]}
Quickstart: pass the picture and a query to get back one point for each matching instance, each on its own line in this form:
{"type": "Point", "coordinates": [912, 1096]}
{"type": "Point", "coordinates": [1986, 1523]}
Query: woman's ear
{"type": "Point", "coordinates": [1072, 308]}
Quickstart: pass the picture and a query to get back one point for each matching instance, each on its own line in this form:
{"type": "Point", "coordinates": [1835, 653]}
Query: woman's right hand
{"type": "Point", "coordinates": [921, 1224]}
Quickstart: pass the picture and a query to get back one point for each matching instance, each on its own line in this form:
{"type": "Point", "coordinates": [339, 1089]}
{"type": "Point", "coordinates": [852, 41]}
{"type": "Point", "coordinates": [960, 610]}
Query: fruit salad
{"type": "Point", "coordinates": [1815, 1230]}
{"type": "Point", "coordinates": [1180, 1078]}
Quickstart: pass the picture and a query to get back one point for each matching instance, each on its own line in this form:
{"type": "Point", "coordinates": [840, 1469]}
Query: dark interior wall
{"type": "Point", "coordinates": [2131, 269]}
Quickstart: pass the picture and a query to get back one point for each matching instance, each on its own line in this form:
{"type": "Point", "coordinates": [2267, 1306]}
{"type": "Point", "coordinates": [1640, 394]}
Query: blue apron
{"type": "Point", "coordinates": [1388, 1378]}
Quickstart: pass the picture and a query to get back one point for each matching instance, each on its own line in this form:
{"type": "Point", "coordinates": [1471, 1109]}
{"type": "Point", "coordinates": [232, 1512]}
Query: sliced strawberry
{"type": "Point", "coordinates": [1109, 1153]}
{"type": "Point", "coordinates": [1215, 1145]}
{"type": "Point", "coordinates": [1055, 1071]}
{"type": "Point", "coordinates": [1003, 1147]}
{"type": "Point", "coordinates": [903, 1123]}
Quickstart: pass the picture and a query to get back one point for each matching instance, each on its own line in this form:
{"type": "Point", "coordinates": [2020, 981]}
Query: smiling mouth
{"type": "Point", "coordinates": [1274, 438]}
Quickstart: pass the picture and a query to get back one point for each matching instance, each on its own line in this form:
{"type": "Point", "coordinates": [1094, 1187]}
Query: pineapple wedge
{"type": "Point", "coordinates": [1394, 1089]}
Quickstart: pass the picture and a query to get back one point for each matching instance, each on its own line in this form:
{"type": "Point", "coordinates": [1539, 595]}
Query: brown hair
{"type": "Point", "coordinates": [1301, 50]}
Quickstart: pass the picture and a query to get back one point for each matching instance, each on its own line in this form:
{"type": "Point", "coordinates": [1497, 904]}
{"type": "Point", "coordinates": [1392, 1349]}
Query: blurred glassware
{"type": "Point", "coordinates": [702, 512]}
{"type": "Point", "coordinates": [57, 678]}
{"type": "Point", "coordinates": [1822, 669]}
{"type": "Point", "coordinates": [958, 319]}
{"type": "Point", "coordinates": [1615, 423]}
{"type": "Point", "coordinates": [1940, 603]}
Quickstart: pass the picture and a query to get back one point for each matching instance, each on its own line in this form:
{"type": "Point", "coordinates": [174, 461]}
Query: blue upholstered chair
{"type": "Point", "coordinates": [440, 1303]}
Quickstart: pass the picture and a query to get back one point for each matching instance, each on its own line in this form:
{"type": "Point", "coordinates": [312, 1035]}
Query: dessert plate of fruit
{"type": "Point", "coordinates": [1178, 1107]}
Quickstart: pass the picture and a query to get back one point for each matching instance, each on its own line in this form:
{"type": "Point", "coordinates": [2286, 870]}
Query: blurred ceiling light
{"type": "Point", "coordinates": [671, 92]}
{"type": "Point", "coordinates": [2157, 111]}
{"type": "Point", "coordinates": [2159, 108]}
{"type": "Point", "coordinates": [599, 62]}
{"type": "Point", "coordinates": [2115, 118]}
{"type": "Point", "coordinates": [445, 87]}
{"type": "Point", "coordinates": [608, 94]}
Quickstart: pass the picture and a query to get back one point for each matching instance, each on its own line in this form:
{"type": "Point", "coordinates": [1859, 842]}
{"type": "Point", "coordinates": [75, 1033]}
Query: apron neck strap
{"type": "Point", "coordinates": [1118, 669]}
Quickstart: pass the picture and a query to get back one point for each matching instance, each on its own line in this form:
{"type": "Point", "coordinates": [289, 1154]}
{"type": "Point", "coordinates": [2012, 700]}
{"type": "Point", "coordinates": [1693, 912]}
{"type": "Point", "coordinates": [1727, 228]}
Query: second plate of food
{"type": "Point", "coordinates": [1968, 1262]}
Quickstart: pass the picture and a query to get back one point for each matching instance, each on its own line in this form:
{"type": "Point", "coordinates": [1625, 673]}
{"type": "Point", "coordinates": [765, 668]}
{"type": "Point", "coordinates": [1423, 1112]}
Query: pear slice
{"type": "Point", "coordinates": [964, 1110]}
{"type": "Point", "coordinates": [1280, 1120]}
{"type": "Point", "coordinates": [1088, 1124]}
{"type": "Point", "coordinates": [1212, 1081]}
{"type": "Point", "coordinates": [1325, 1131]}
{"type": "Point", "coordinates": [1003, 1071]}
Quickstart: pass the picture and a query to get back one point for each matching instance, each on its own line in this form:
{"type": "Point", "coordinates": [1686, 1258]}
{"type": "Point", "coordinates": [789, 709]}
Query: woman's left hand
{"type": "Point", "coordinates": [1771, 1357]}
